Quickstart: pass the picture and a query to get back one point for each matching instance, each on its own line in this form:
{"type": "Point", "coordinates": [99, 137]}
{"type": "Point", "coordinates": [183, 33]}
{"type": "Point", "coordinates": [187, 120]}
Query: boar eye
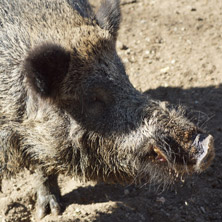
{"type": "Point", "coordinates": [98, 99]}
{"type": "Point", "coordinates": [95, 99]}
{"type": "Point", "coordinates": [95, 105]}
{"type": "Point", "coordinates": [100, 95]}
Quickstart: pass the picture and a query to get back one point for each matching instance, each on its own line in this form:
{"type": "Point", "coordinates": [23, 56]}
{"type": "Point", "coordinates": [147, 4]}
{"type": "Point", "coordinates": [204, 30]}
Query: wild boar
{"type": "Point", "coordinates": [67, 105]}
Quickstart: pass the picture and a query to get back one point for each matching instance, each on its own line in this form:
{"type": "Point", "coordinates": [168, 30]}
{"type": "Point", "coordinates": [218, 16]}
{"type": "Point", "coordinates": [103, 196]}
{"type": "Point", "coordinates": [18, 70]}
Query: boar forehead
{"type": "Point", "coordinates": [94, 61]}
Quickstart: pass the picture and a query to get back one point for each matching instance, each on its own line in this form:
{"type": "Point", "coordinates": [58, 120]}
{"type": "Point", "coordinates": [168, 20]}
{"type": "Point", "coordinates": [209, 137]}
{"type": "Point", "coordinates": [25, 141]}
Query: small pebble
{"type": "Point", "coordinates": [173, 61]}
{"type": "Point", "coordinates": [165, 70]}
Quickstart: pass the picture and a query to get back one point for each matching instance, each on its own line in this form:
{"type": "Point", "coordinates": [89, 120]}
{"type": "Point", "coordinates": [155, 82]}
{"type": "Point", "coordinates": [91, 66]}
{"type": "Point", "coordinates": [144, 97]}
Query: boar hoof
{"type": "Point", "coordinates": [46, 204]}
{"type": "Point", "coordinates": [48, 196]}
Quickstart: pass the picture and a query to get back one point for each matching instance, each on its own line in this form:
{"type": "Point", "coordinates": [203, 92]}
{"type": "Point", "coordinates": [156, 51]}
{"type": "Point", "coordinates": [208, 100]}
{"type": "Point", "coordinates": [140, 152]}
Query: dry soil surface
{"type": "Point", "coordinates": [172, 51]}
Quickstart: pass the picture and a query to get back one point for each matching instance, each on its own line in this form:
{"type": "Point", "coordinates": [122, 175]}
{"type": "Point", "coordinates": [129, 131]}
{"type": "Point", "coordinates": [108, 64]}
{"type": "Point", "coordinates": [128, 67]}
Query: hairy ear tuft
{"type": "Point", "coordinates": [45, 67]}
{"type": "Point", "coordinates": [109, 16]}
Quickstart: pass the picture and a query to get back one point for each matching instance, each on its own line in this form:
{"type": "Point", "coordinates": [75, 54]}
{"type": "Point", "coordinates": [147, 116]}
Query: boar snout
{"type": "Point", "coordinates": [204, 151]}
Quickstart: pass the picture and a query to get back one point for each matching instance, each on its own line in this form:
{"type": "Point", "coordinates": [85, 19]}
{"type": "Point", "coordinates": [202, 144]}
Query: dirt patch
{"type": "Point", "coordinates": [172, 51]}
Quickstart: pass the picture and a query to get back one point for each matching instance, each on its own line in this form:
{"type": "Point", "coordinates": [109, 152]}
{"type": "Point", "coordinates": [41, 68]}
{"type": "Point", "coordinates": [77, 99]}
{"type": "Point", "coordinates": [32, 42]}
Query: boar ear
{"type": "Point", "coordinates": [45, 67]}
{"type": "Point", "coordinates": [109, 16]}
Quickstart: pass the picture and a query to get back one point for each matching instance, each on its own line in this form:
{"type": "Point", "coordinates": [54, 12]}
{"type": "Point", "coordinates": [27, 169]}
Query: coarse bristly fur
{"type": "Point", "coordinates": [67, 105]}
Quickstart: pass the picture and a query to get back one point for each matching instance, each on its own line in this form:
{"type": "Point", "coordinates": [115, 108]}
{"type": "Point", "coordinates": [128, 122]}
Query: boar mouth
{"type": "Point", "coordinates": [200, 156]}
{"type": "Point", "coordinates": [156, 155]}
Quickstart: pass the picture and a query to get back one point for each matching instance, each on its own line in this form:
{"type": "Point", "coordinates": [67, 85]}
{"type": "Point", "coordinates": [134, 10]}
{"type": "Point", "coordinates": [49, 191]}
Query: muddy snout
{"type": "Point", "coordinates": [204, 151]}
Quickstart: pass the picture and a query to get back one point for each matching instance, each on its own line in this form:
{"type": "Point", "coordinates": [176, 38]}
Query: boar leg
{"type": "Point", "coordinates": [48, 195]}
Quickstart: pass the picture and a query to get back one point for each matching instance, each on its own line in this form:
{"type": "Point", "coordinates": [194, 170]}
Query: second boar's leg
{"type": "Point", "coordinates": [48, 195]}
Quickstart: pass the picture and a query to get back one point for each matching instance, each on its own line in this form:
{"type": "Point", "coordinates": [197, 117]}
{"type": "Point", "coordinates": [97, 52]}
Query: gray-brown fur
{"type": "Point", "coordinates": [67, 106]}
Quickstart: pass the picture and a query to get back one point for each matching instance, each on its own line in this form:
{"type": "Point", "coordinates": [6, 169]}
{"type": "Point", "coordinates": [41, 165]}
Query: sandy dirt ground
{"type": "Point", "coordinates": [172, 51]}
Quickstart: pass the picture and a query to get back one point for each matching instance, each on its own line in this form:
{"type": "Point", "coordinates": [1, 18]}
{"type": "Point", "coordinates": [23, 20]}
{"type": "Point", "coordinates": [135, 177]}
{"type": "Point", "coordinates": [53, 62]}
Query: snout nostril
{"type": "Point", "coordinates": [204, 145]}
{"type": "Point", "coordinates": [203, 141]}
